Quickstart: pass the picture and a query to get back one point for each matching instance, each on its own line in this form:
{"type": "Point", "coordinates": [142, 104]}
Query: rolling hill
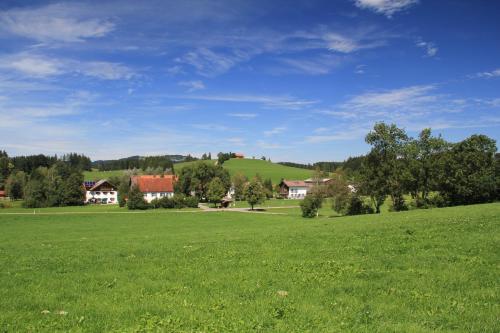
{"type": "Point", "coordinates": [249, 167]}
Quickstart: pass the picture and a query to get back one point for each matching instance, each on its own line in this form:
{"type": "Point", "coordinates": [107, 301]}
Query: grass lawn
{"type": "Point", "coordinates": [96, 175]}
{"type": "Point", "coordinates": [416, 271]}
{"type": "Point", "coordinates": [270, 203]}
{"type": "Point", "coordinates": [266, 170]}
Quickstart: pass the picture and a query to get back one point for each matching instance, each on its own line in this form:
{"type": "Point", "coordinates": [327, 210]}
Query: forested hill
{"type": "Point", "coordinates": [140, 162]}
{"type": "Point", "coordinates": [352, 164]}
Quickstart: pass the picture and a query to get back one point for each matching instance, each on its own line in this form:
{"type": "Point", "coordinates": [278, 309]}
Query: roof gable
{"type": "Point", "coordinates": [154, 183]}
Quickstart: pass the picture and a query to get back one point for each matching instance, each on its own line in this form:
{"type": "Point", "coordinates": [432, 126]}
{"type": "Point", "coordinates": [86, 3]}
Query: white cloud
{"type": "Point", "coordinates": [211, 127]}
{"type": "Point", "coordinates": [490, 74]}
{"type": "Point", "coordinates": [274, 102]}
{"type": "Point", "coordinates": [193, 85]}
{"type": "Point", "coordinates": [275, 131]}
{"type": "Point", "coordinates": [30, 65]}
{"type": "Point", "coordinates": [35, 65]}
{"type": "Point", "coordinates": [61, 22]}
{"type": "Point", "coordinates": [209, 63]}
{"type": "Point", "coordinates": [313, 66]}
{"type": "Point", "coordinates": [360, 69]}
{"type": "Point", "coordinates": [386, 7]}
{"type": "Point", "coordinates": [243, 115]}
{"type": "Point", "coordinates": [106, 70]}
{"type": "Point", "coordinates": [236, 141]}
{"type": "Point", "coordinates": [430, 48]}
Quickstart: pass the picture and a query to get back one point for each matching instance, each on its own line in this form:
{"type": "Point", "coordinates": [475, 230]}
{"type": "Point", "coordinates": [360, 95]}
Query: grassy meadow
{"type": "Point", "coordinates": [417, 271]}
{"type": "Point", "coordinates": [248, 167]}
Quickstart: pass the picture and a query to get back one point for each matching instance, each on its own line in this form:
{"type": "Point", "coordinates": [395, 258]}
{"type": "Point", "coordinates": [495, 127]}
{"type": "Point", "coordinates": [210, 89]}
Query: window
{"type": "Point", "coordinates": [104, 193]}
{"type": "Point", "coordinates": [111, 192]}
{"type": "Point", "coordinates": [97, 193]}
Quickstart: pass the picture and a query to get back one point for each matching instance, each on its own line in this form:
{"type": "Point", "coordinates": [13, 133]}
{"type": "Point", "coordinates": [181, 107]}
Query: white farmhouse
{"type": "Point", "coordinates": [294, 189]}
{"type": "Point", "coordinates": [101, 192]}
{"type": "Point", "coordinates": [154, 187]}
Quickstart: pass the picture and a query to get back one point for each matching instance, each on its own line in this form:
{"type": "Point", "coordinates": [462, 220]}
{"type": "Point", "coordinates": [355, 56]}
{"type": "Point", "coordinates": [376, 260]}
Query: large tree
{"type": "Point", "coordinates": [195, 178]}
{"type": "Point", "coordinates": [385, 164]}
{"type": "Point", "coordinates": [239, 181]}
{"type": "Point", "coordinates": [15, 184]}
{"type": "Point", "coordinates": [468, 172]}
{"type": "Point", "coordinates": [254, 192]}
{"type": "Point", "coordinates": [216, 191]}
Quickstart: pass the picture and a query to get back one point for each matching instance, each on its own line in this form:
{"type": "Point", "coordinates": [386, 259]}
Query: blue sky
{"type": "Point", "coordinates": [293, 80]}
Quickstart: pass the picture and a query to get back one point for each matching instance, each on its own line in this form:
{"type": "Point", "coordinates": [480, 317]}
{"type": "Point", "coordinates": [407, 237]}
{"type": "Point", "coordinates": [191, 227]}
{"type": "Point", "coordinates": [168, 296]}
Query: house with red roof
{"type": "Point", "coordinates": [154, 187]}
{"type": "Point", "coordinates": [294, 189]}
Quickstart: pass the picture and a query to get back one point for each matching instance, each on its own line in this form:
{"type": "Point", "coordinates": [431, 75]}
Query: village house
{"type": "Point", "coordinates": [3, 195]}
{"type": "Point", "coordinates": [294, 189]}
{"type": "Point", "coordinates": [154, 187]}
{"type": "Point", "coordinates": [239, 155]}
{"type": "Point", "coordinates": [101, 192]}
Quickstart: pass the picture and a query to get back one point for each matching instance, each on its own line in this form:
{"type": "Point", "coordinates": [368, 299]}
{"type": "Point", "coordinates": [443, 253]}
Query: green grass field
{"type": "Point", "coordinates": [96, 175]}
{"type": "Point", "coordinates": [417, 271]}
{"type": "Point", "coordinates": [266, 170]}
{"type": "Point", "coordinates": [248, 167]}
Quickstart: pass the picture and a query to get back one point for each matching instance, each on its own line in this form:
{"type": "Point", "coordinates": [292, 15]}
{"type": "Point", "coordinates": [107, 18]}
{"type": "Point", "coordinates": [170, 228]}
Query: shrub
{"type": "Point", "coordinates": [398, 204]}
{"type": "Point", "coordinates": [136, 199]}
{"type": "Point", "coordinates": [178, 200]}
{"type": "Point", "coordinates": [310, 205]}
{"type": "Point", "coordinates": [357, 206]}
{"type": "Point", "coordinates": [191, 202]}
{"type": "Point", "coordinates": [166, 202]}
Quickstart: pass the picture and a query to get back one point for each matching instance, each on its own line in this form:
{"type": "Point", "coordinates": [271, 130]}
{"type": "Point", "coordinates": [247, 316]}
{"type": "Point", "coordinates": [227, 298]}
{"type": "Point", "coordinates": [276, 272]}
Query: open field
{"type": "Point", "coordinates": [266, 169]}
{"type": "Point", "coordinates": [417, 271]}
{"type": "Point", "coordinates": [96, 175]}
{"type": "Point", "coordinates": [248, 167]}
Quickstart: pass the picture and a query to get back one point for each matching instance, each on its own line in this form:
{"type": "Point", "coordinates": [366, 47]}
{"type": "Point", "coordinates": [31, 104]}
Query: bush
{"type": "Point", "coordinates": [178, 200]}
{"type": "Point", "coordinates": [398, 204]}
{"type": "Point", "coordinates": [167, 202]}
{"type": "Point", "coordinates": [136, 199]}
{"type": "Point", "coordinates": [310, 206]}
{"type": "Point", "coordinates": [191, 202]}
{"type": "Point", "coordinates": [437, 200]}
{"type": "Point", "coordinates": [357, 206]}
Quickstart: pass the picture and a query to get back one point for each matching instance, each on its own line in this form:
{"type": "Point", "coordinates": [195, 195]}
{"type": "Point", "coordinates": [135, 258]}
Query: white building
{"type": "Point", "coordinates": [294, 189]}
{"type": "Point", "coordinates": [101, 192]}
{"type": "Point", "coordinates": [154, 187]}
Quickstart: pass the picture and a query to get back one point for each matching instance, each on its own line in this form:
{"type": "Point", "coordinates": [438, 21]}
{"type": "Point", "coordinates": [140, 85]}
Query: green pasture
{"type": "Point", "coordinates": [163, 271]}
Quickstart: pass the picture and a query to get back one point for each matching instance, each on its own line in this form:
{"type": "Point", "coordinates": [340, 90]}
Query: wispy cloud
{"type": "Point", "coordinates": [385, 7]}
{"type": "Point", "coordinates": [320, 65]}
{"type": "Point", "coordinates": [243, 115]}
{"type": "Point", "coordinates": [36, 65]}
{"type": "Point", "coordinates": [490, 74]}
{"type": "Point", "coordinates": [278, 102]}
{"type": "Point", "coordinates": [211, 127]}
{"type": "Point", "coordinates": [209, 63]}
{"type": "Point", "coordinates": [61, 22]}
{"type": "Point", "coordinates": [192, 85]}
{"type": "Point", "coordinates": [274, 131]}
{"type": "Point", "coordinates": [430, 48]}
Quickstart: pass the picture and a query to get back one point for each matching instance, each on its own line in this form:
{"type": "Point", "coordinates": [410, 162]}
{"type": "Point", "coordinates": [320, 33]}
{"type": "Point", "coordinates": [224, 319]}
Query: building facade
{"type": "Point", "coordinates": [101, 192]}
{"type": "Point", "coordinates": [154, 187]}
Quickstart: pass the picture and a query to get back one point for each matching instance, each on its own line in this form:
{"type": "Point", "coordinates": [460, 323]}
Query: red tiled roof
{"type": "Point", "coordinates": [2, 193]}
{"type": "Point", "coordinates": [295, 183]}
{"type": "Point", "coordinates": [154, 183]}
{"type": "Point", "coordinates": [239, 155]}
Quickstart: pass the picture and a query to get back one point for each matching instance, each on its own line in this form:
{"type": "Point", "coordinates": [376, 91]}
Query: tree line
{"type": "Point", "coordinates": [429, 170]}
{"type": "Point", "coordinates": [163, 162]}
